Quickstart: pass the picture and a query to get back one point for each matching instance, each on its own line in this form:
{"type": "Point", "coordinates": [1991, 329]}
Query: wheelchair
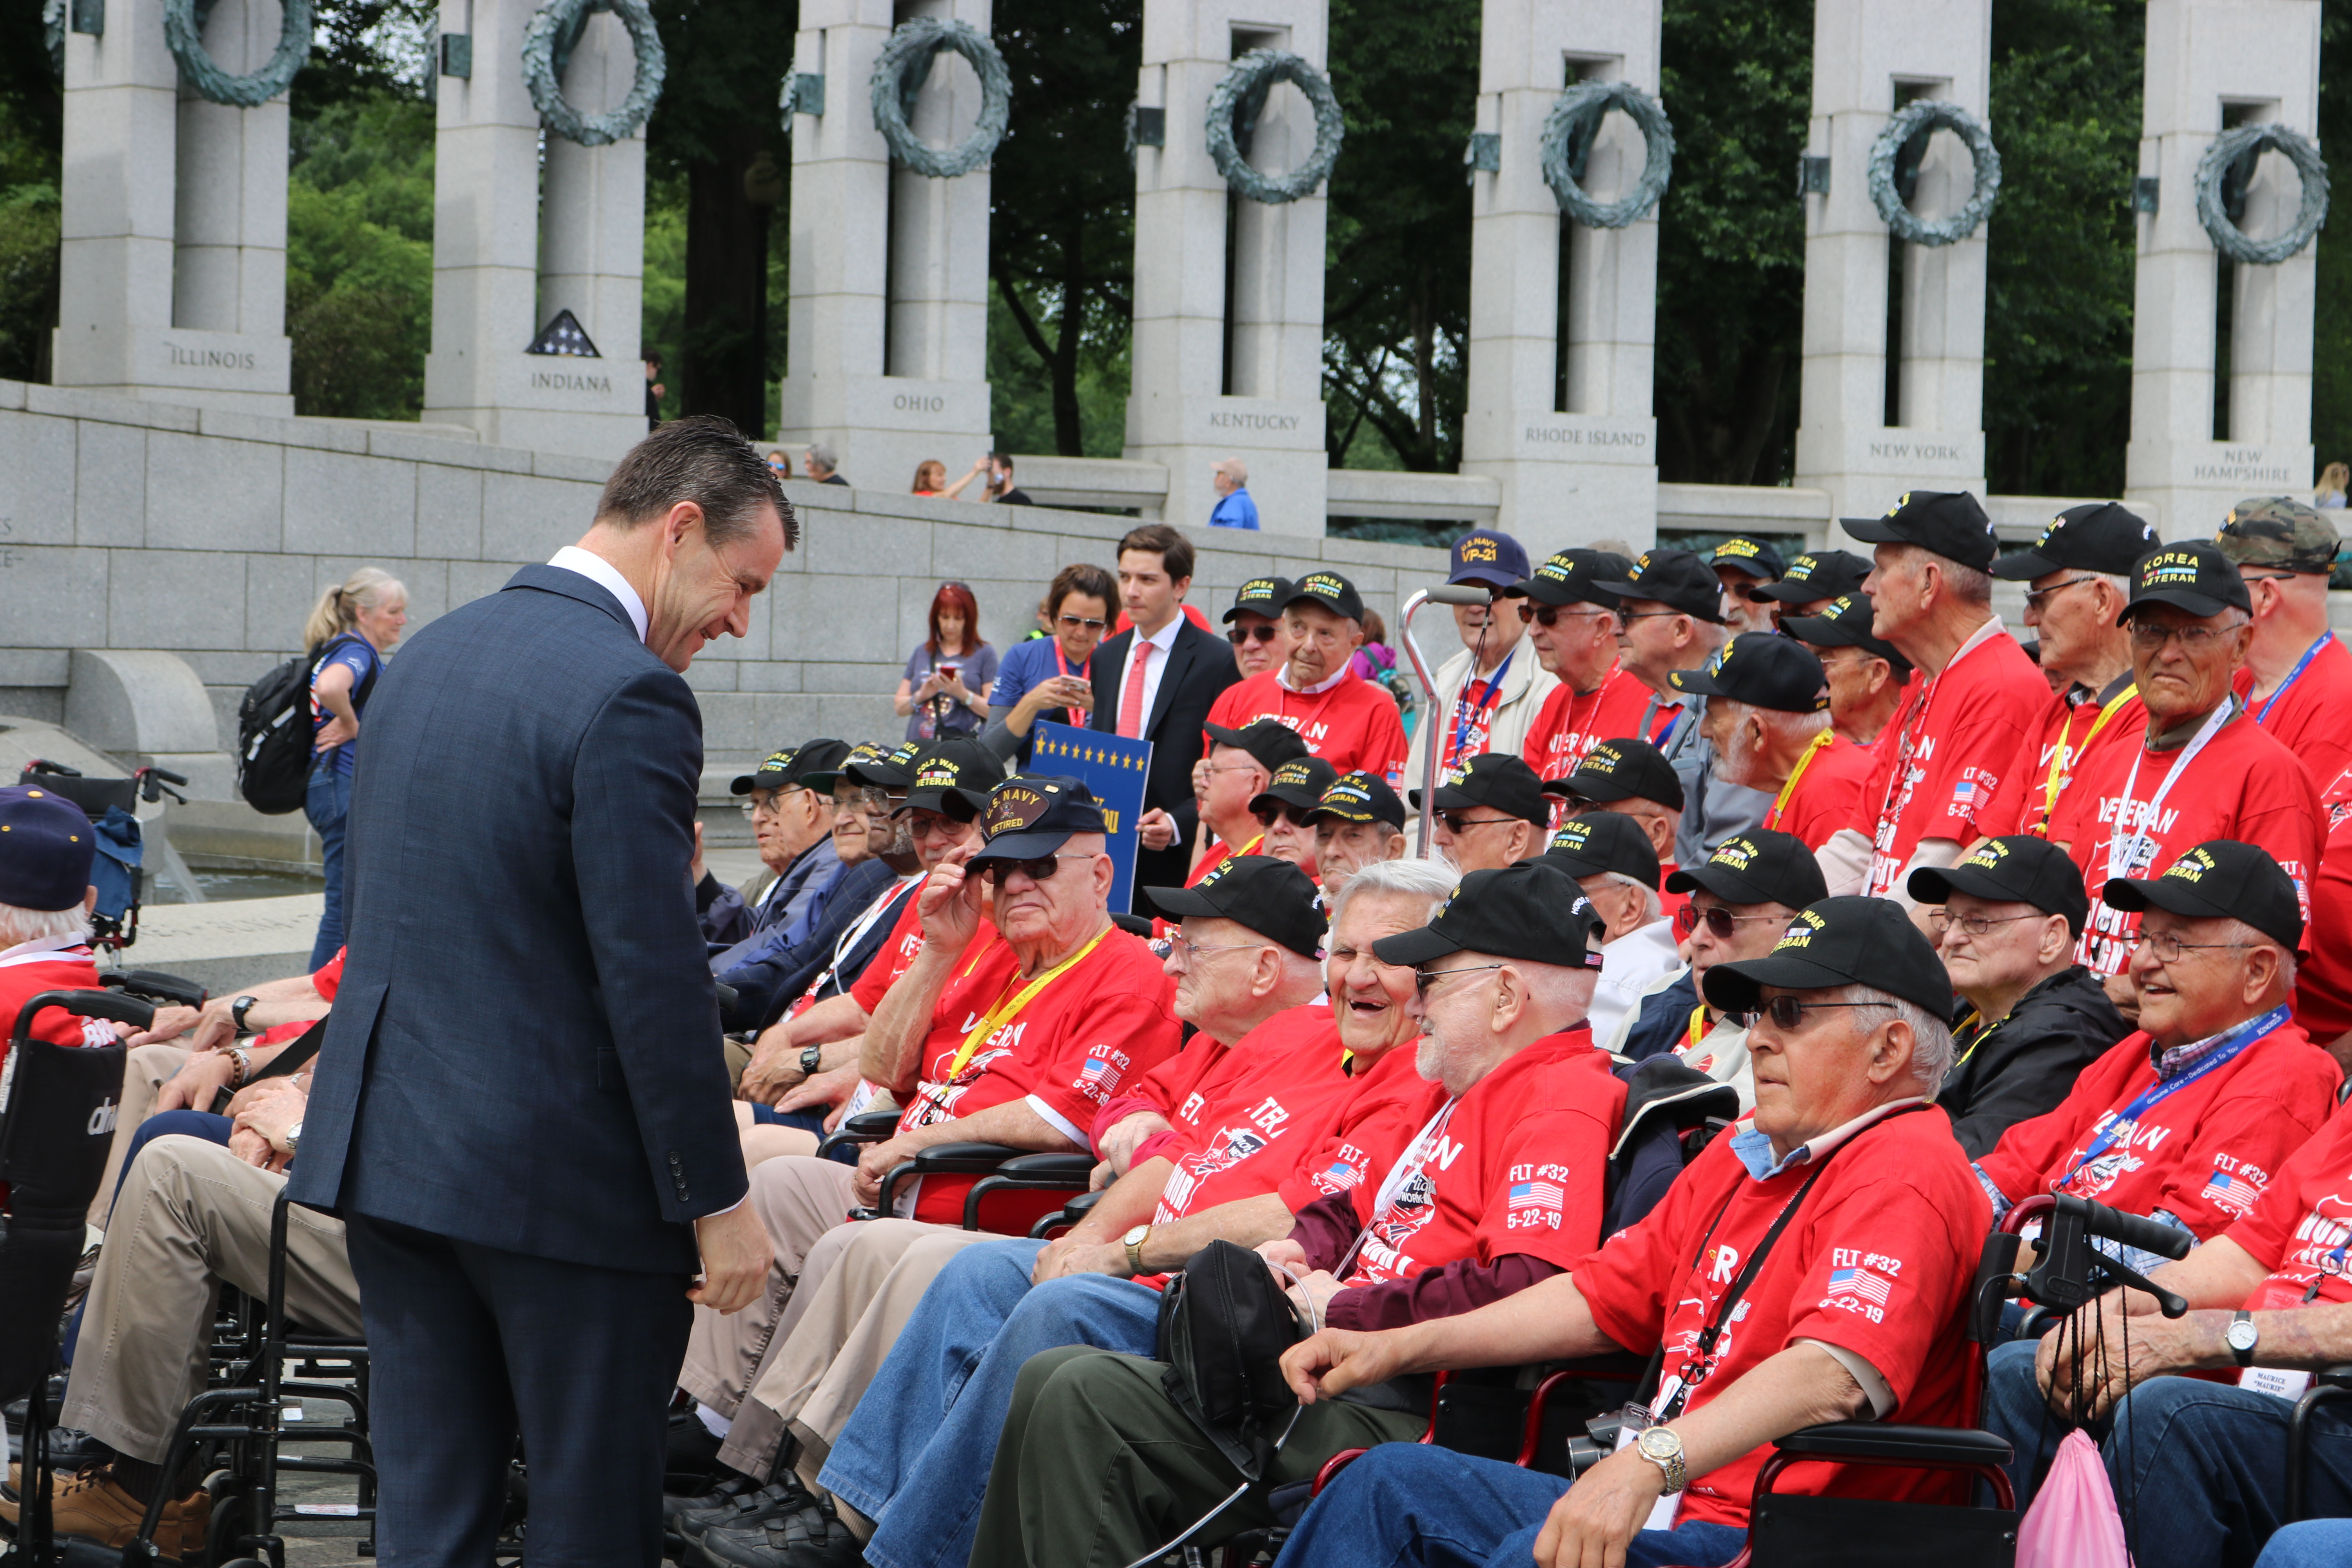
{"type": "Point", "coordinates": [1001, 1169]}
{"type": "Point", "coordinates": [111, 805]}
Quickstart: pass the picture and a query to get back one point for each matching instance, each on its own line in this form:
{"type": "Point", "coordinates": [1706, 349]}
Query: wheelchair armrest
{"type": "Point", "coordinates": [1080, 1205]}
{"type": "Point", "coordinates": [961, 1159]}
{"type": "Point", "coordinates": [2338, 1376]}
{"type": "Point", "coordinates": [1884, 1444]}
{"type": "Point", "coordinates": [1039, 1169]}
{"type": "Point", "coordinates": [867, 1127]}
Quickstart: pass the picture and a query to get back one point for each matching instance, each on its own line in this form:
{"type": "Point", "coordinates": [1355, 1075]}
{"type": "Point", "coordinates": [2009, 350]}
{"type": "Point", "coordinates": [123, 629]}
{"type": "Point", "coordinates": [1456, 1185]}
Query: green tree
{"type": "Point", "coordinates": [2331, 358]}
{"type": "Point", "coordinates": [32, 117]}
{"type": "Point", "coordinates": [359, 255]}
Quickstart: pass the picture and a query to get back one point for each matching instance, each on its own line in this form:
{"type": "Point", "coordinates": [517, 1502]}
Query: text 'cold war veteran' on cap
{"type": "Point", "coordinates": [1270, 897]}
{"type": "Point", "coordinates": [1530, 912]}
{"type": "Point", "coordinates": [2017, 869]}
{"type": "Point", "coordinates": [1759, 867]}
{"type": "Point", "coordinates": [1950, 524]}
{"type": "Point", "coordinates": [2221, 878]}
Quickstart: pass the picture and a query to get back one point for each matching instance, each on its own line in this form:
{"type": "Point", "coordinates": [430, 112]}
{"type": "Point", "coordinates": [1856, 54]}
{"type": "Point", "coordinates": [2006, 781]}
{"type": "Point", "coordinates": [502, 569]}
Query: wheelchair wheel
{"type": "Point", "coordinates": [232, 1517]}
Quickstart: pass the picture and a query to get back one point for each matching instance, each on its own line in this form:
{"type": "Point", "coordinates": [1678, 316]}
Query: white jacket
{"type": "Point", "coordinates": [1526, 684]}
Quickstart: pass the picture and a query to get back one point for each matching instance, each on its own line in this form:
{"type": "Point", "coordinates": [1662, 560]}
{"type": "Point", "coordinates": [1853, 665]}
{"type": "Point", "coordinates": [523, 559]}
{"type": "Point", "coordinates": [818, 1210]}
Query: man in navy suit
{"type": "Point", "coordinates": [523, 1104]}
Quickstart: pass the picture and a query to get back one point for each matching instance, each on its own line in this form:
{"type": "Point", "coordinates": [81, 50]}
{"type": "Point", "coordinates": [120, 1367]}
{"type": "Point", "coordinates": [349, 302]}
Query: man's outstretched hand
{"type": "Point", "coordinates": [735, 1258]}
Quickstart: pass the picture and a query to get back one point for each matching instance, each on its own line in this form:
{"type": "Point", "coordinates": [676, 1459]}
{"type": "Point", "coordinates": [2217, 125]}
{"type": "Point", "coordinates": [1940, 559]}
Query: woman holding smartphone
{"type": "Point", "coordinates": [945, 690]}
{"type": "Point", "coordinates": [1052, 678]}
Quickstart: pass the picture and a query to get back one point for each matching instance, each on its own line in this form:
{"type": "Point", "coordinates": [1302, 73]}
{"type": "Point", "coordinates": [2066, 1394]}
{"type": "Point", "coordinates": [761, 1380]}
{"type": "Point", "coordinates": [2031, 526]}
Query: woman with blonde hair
{"type": "Point", "coordinates": [2334, 480]}
{"type": "Point", "coordinates": [350, 628]}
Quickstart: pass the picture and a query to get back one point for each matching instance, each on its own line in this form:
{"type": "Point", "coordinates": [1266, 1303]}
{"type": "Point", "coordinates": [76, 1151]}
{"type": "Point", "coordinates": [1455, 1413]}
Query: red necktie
{"type": "Point", "coordinates": [1130, 701]}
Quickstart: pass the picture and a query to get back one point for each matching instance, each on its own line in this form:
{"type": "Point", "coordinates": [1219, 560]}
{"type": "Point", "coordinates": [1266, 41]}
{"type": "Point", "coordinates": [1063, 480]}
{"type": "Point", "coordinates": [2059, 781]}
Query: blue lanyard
{"type": "Point", "coordinates": [1487, 703]}
{"type": "Point", "coordinates": [2243, 1036]}
{"type": "Point", "coordinates": [2294, 675]}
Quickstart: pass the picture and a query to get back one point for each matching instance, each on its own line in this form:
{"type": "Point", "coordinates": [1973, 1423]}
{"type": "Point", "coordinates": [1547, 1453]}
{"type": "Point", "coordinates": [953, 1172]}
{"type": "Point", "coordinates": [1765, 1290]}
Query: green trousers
{"type": "Point", "coordinates": [1096, 1466]}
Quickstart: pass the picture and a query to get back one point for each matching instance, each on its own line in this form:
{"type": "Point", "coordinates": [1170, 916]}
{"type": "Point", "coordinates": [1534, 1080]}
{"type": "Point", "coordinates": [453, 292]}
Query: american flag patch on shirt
{"type": "Point", "coordinates": [2235, 1194]}
{"type": "Point", "coordinates": [1101, 1073]}
{"type": "Point", "coordinates": [1859, 1282]}
{"type": "Point", "coordinates": [1536, 1196]}
{"type": "Point", "coordinates": [1965, 793]}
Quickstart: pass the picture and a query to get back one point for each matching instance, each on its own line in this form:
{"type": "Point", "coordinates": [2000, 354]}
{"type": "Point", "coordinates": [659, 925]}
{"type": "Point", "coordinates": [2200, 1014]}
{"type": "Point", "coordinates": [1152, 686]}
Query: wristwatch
{"type": "Point", "coordinates": [812, 1061]}
{"type": "Point", "coordinates": [1133, 1242]}
{"type": "Point", "coordinates": [1662, 1446]}
{"type": "Point", "coordinates": [2242, 1337]}
{"type": "Point", "coordinates": [238, 1009]}
{"type": "Point", "coordinates": [294, 1140]}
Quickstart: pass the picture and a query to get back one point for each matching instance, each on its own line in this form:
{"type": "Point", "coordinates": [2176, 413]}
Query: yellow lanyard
{"type": "Point", "coordinates": [997, 1015]}
{"type": "Point", "coordinates": [1697, 1025]}
{"type": "Point", "coordinates": [2062, 757]}
{"type": "Point", "coordinates": [1780, 801]}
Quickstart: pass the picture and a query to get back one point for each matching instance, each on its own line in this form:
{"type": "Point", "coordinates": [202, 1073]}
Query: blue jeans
{"type": "Point", "coordinates": [328, 805]}
{"type": "Point", "coordinates": [915, 1456]}
{"type": "Point", "coordinates": [2315, 1544]}
{"type": "Point", "coordinates": [2197, 1465]}
{"type": "Point", "coordinates": [1412, 1503]}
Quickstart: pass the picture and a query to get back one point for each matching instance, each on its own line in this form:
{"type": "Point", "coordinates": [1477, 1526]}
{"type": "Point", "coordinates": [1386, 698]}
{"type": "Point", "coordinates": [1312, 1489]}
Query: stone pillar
{"type": "Point", "coordinates": [1579, 461]}
{"type": "Point", "coordinates": [888, 317]}
{"type": "Point", "coordinates": [173, 268]}
{"type": "Point", "coordinates": [1870, 57]}
{"type": "Point", "coordinates": [513, 248]}
{"type": "Point", "coordinates": [1199, 394]}
{"type": "Point", "coordinates": [2206, 58]}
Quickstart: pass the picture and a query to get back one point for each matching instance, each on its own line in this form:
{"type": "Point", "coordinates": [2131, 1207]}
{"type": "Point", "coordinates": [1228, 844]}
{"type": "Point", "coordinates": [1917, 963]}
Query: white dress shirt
{"type": "Point", "coordinates": [1161, 641]}
{"type": "Point", "coordinates": [606, 576]}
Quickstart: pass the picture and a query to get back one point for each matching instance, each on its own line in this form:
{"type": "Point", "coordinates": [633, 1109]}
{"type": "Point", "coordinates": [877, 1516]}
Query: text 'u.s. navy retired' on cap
{"type": "Point", "coordinates": [1030, 815]}
{"type": "Point", "coordinates": [1263, 597]}
{"type": "Point", "coordinates": [823, 779]}
{"type": "Point", "coordinates": [1530, 911]}
{"type": "Point", "coordinates": [953, 778]}
{"type": "Point", "coordinates": [2280, 532]}
{"type": "Point", "coordinates": [793, 765]}
{"type": "Point", "coordinates": [1300, 782]}
{"type": "Point", "coordinates": [1271, 897]}
{"type": "Point", "coordinates": [1603, 841]}
{"type": "Point", "coordinates": [2101, 536]}
{"type": "Point", "coordinates": [1820, 575]}
{"type": "Point", "coordinates": [1950, 524]}
{"type": "Point", "coordinates": [1495, 779]}
{"type": "Point", "coordinates": [2220, 880]}
{"type": "Point", "coordinates": [1677, 579]}
{"type": "Point", "coordinates": [1751, 557]}
{"type": "Point", "coordinates": [1760, 866]}
{"type": "Point", "coordinates": [895, 769]}
{"type": "Point", "coordinates": [1840, 941]}
{"type": "Point", "coordinates": [2194, 576]}
{"type": "Point", "coordinates": [46, 849]}
{"type": "Point", "coordinates": [1269, 741]}
{"type": "Point", "coordinates": [1360, 796]}
{"type": "Point", "coordinates": [2018, 869]}
{"type": "Point", "coordinates": [1623, 770]}
{"type": "Point", "coordinates": [1574, 577]}
{"type": "Point", "coordinates": [1331, 591]}
{"type": "Point", "coordinates": [1846, 623]}
{"type": "Point", "coordinates": [1486, 555]}
{"type": "Point", "coordinates": [1763, 670]}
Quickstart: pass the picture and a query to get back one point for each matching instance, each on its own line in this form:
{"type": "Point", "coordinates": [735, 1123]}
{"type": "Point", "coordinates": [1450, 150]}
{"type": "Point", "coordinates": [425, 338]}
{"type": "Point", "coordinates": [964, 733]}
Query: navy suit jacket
{"type": "Point", "coordinates": [525, 1049]}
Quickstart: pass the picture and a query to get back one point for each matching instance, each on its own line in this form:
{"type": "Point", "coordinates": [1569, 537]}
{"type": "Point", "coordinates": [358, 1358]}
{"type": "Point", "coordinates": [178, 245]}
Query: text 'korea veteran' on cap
{"type": "Point", "coordinates": [1530, 912]}
{"type": "Point", "coordinates": [1360, 797]}
{"type": "Point", "coordinates": [1270, 897]}
{"type": "Point", "coordinates": [1331, 591]}
{"type": "Point", "coordinates": [1838, 943]}
{"type": "Point", "coordinates": [793, 765]}
{"type": "Point", "coordinates": [2194, 576]}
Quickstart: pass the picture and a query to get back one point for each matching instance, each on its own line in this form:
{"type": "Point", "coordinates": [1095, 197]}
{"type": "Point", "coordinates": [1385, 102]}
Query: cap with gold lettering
{"type": "Point", "coordinates": [1299, 782]}
{"type": "Point", "coordinates": [1835, 942]}
{"type": "Point", "coordinates": [2194, 575]}
{"type": "Point", "coordinates": [1033, 815]}
{"type": "Point", "coordinates": [791, 767]}
{"type": "Point", "coordinates": [1360, 798]}
{"type": "Point", "coordinates": [1262, 597]}
{"type": "Point", "coordinates": [2221, 878]}
{"type": "Point", "coordinates": [1950, 524]}
{"type": "Point", "coordinates": [1759, 867]}
{"type": "Point", "coordinates": [1331, 591]}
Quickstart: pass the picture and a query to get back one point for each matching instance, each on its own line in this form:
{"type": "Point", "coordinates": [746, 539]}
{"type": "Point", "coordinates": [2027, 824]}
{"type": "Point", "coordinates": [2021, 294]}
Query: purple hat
{"type": "Point", "coordinates": [45, 848]}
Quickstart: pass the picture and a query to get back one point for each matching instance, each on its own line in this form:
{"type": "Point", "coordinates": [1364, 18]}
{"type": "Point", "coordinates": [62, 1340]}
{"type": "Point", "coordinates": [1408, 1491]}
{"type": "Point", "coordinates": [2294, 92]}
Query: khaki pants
{"type": "Point", "coordinates": [145, 1070]}
{"type": "Point", "coordinates": [193, 1215]}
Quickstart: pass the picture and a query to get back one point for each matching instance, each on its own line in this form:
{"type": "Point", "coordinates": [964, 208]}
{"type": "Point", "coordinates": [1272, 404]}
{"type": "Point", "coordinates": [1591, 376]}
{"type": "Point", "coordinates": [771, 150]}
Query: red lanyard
{"type": "Point", "coordinates": [1072, 715]}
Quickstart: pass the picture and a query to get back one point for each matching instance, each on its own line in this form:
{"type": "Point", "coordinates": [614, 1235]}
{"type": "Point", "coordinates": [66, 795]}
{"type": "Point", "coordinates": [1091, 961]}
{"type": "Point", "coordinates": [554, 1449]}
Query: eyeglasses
{"type": "Point", "coordinates": [2264, 576]}
{"type": "Point", "coordinates": [1040, 870]}
{"type": "Point", "coordinates": [1976, 925]}
{"type": "Point", "coordinates": [2035, 597]}
{"type": "Point", "coordinates": [771, 805]}
{"type": "Point", "coordinates": [1455, 822]}
{"type": "Point", "coordinates": [2168, 948]}
{"type": "Point", "coordinates": [935, 825]}
{"type": "Point", "coordinates": [1293, 815]}
{"type": "Point", "coordinates": [1721, 924]}
{"type": "Point", "coordinates": [1552, 614]}
{"type": "Point", "coordinates": [1087, 622]}
{"type": "Point", "coordinates": [2149, 637]}
{"type": "Point", "coordinates": [1645, 614]}
{"type": "Point", "coordinates": [1423, 979]}
{"type": "Point", "coordinates": [1233, 767]}
{"type": "Point", "coordinates": [863, 798]}
{"type": "Point", "coordinates": [1237, 636]}
{"type": "Point", "coordinates": [1787, 1013]}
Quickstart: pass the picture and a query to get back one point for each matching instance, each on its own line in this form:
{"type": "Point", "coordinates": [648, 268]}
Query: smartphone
{"type": "Point", "coordinates": [948, 671]}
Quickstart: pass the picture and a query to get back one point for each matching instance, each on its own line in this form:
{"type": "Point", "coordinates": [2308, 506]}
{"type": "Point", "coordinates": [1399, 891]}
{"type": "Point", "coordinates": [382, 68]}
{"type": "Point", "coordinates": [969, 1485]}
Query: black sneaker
{"type": "Point", "coordinates": [745, 1509]}
{"type": "Point", "coordinates": [810, 1536]}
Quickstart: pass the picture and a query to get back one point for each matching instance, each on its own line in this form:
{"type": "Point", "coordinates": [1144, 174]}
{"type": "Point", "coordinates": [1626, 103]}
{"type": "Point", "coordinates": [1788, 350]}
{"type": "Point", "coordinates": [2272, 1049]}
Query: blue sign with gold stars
{"type": "Point", "coordinates": [1114, 768]}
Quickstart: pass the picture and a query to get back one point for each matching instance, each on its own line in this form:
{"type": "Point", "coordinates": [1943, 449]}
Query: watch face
{"type": "Point", "coordinates": [2242, 1336]}
{"type": "Point", "coordinates": [1135, 1237]}
{"type": "Point", "coordinates": [1661, 1442]}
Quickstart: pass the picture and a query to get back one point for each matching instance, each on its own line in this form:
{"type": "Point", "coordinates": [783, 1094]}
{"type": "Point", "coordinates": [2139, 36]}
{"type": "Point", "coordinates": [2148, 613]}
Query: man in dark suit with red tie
{"type": "Point", "coordinates": [1155, 681]}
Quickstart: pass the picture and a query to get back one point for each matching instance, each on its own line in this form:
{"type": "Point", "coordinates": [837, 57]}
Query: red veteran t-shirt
{"type": "Point", "coordinates": [2323, 987]}
{"type": "Point", "coordinates": [1065, 1050]}
{"type": "Point", "coordinates": [1570, 723]}
{"type": "Point", "coordinates": [1876, 1263]}
{"type": "Point", "coordinates": [1386, 1106]}
{"type": "Point", "coordinates": [2307, 715]}
{"type": "Point", "coordinates": [2243, 784]}
{"type": "Point", "coordinates": [2203, 1153]}
{"type": "Point", "coordinates": [57, 964]}
{"type": "Point", "coordinates": [2075, 727]}
{"type": "Point", "coordinates": [1947, 766]}
{"type": "Point", "coordinates": [2302, 1229]}
{"type": "Point", "coordinates": [1234, 1138]}
{"type": "Point", "coordinates": [1351, 725]}
{"type": "Point", "coordinates": [1514, 1165]}
{"type": "Point", "coordinates": [1160, 1092]}
{"type": "Point", "coordinates": [898, 954]}
{"type": "Point", "coordinates": [1828, 794]}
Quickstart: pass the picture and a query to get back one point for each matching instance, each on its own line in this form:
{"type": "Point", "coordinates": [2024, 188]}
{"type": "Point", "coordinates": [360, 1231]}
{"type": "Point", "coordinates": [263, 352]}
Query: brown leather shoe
{"type": "Point", "coordinates": [92, 1506]}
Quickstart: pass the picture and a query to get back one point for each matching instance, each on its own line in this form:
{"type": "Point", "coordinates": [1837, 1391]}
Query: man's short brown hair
{"type": "Point", "coordinates": [705, 459]}
{"type": "Point", "coordinates": [1175, 551]}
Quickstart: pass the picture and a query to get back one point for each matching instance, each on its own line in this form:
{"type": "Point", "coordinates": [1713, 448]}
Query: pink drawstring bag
{"type": "Point", "coordinates": [2073, 1522]}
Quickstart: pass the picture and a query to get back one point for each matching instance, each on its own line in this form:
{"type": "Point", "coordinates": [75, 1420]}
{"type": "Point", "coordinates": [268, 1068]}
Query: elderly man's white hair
{"type": "Point", "coordinates": [41, 925]}
{"type": "Point", "coordinates": [1232, 469]}
{"type": "Point", "coordinates": [1653, 907]}
{"type": "Point", "coordinates": [1794, 729]}
{"type": "Point", "coordinates": [1931, 1038]}
{"type": "Point", "coordinates": [1429, 880]}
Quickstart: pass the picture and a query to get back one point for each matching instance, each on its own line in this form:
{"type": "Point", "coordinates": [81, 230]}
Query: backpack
{"type": "Point", "coordinates": [273, 732]}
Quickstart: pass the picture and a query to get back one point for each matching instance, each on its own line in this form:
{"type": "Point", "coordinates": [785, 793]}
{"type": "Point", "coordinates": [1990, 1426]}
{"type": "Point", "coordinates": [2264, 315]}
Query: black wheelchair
{"type": "Point", "coordinates": [112, 804]}
{"type": "Point", "coordinates": [1001, 1169]}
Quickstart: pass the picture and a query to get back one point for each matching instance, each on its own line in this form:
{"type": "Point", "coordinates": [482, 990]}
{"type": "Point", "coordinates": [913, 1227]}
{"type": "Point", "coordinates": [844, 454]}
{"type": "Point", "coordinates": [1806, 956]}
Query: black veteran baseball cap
{"type": "Point", "coordinates": [1950, 524]}
{"type": "Point", "coordinates": [1840, 942]}
{"type": "Point", "coordinates": [2280, 532]}
{"type": "Point", "coordinates": [1361, 797]}
{"type": "Point", "coordinates": [823, 779]}
{"type": "Point", "coordinates": [1623, 769]}
{"type": "Point", "coordinates": [1032, 815]}
{"type": "Point", "coordinates": [1300, 782]}
{"type": "Point", "coordinates": [1489, 557]}
{"type": "Point", "coordinates": [1751, 557]}
{"type": "Point", "coordinates": [1574, 577]}
{"type": "Point", "coordinates": [1270, 740]}
{"type": "Point", "coordinates": [1530, 912]}
{"type": "Point", "coordinates": [1763, 670]}
{"type": "Point", "coordinates": [895, 769]}
{"type": "Point", "coordinates": [1498, 779]}
{"type": "Point", "coordinates": [1760, 866]}
{"type": "Point", "coordinates": [2194, 575]}
{"type": "Point", "coordinates": [793, 765]}
{"type": "Point", "coordinates": [1605, 841]}
{"type": "Point", "coordinates": [1819, 574]}
{"type": "Point", "coordinates": [2219, 880]}
{"type": "Point", "coordinates": [2102, 536]}
{"type": "Point", "coordinates": [1331, 591]}
{"type": "Point", "coordinates": [953, 778]}
{"type": "Point", "coordinates": [1261, 595]}
{"type": "Point", "coordinates": [1846, 623]}
{"type": "Point", "coordinates": [1271, 897]}
{"type": "Point", "coordinates": [1677, 579]}
{"type": "Point", "coordinates": [2018, 869]}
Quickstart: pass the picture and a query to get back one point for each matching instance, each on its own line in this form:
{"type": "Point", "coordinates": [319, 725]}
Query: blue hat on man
{"type": "Point", "coordinates": [1487, 556]}
{"type": "Point", "coordinates": [45, 848]}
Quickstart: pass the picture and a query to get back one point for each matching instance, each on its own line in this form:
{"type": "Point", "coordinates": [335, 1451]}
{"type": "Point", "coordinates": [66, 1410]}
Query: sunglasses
{"type": "Point", "coordinates": [1088, 622]}
{"type": "Point", "coordinates": [1552, 614]}
{"type": "Point", "coordinates": [1787, 1012]}
{"type": "Point", "coordinates": [1239, 636]}
{"type": "Point", "coordinates": [1293, 815]}
{"type": "Point", "coordinates": [1041, 869]}
{"type": "Point", "coordinates": [1455, 822]}
{"type": "Point", "coordinates": [1423, 979]}
{"type": "Point", "coordinates": [1721, 923]}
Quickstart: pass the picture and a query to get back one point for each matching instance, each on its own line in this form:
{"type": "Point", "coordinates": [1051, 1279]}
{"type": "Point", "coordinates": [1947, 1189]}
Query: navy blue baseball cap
{"type": "Point", "coordinates": [1487, 556]}
{"type": "Point", "coordinates": [46, 849]}
{"type": "Point", "coordinates": [1033, 815]}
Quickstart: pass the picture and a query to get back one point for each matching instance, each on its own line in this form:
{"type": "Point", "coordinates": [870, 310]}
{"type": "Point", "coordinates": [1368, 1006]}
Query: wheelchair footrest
{"type": "Point", "coordinates": [1898, 1445]}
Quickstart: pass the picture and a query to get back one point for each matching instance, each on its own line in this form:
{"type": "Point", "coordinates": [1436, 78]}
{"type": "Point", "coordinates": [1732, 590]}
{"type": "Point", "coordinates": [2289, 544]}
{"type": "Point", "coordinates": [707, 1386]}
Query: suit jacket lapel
{"type": "Point", "coordinates": [1179, 659]}
{"type": "Point", "coordinates": [1110, 669]}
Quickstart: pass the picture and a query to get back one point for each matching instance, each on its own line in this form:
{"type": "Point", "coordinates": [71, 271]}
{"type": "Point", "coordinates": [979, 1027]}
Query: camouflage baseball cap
{"type": "Point", "coordinates": [2278, 531]}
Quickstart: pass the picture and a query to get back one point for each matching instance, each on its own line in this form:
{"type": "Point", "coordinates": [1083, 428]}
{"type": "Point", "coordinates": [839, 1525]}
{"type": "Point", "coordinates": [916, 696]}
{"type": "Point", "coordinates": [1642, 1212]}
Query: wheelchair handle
{"type": "Point", "coordinates": [2131, 1229]}
{"type": "Point", "coordinates": [110, 1005]}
